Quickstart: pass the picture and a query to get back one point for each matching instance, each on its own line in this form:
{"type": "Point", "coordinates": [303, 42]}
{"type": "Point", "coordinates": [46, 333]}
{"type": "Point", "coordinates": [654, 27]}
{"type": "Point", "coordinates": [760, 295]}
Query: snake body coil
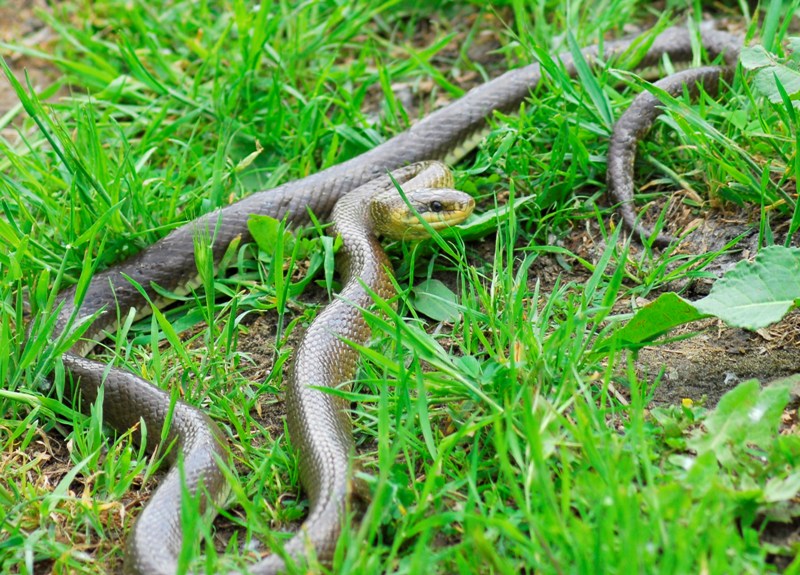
{"type": "Point", "coordinates": [325, 358]}
{"type": "Point", "coordinates": [156, 540]}
{"type": "Point", "coordinates": [633, 126]}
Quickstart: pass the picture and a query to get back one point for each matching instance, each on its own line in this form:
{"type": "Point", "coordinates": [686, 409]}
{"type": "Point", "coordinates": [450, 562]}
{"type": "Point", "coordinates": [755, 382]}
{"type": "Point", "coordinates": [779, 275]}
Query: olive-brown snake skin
{"type": "Point", "coordinates": [633, 126]}
{"type": "Point", "coordinates": [447, 134]}
{"type": "Point", "coordinates": [325, 356]}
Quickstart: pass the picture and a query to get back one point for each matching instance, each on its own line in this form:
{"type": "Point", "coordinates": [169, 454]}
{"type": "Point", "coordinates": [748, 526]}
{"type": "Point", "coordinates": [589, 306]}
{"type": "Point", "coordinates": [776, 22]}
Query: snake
{"type": "Point", "coordinates": [447, 135]}
{"type": "Point", "coordinates": [634, 124]}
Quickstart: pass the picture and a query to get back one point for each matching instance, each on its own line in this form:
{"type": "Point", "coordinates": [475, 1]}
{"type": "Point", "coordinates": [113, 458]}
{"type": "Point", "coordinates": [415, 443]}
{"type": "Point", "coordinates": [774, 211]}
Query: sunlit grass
{"type": "Point", "coordinates": [498, 443]}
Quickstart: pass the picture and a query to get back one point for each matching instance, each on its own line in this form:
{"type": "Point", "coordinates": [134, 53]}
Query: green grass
{"type": "Point", "coordinates": [498, 444]}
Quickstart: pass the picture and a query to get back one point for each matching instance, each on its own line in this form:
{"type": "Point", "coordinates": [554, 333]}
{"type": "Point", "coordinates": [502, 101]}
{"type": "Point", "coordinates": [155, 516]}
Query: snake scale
{"type": "Point", "coordinates": [446, 134]}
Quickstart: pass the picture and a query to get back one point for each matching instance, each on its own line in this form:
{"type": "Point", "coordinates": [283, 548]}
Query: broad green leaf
{"type": "Point", "coordinates": [755, 57]}
{"type": "Point", "coordinates": [264, 230]}
{"type": "Point", "coordinates": [756, 294]}
{"type": "Point", "coordinates": [769, 70]}
{"type": "Point", "coordinates": [435, 300]}
{"type": "Point", "coordinates": [782, 488]}
{"type": "Point", "coordinates": [655, 319]}
{"type": "Point", "coordinates": [794, 49]}
{"type": "Point", "coordinates": [766, 82]}
{"type": "Point", "coordinates": [791, 382]}
{"type": "Point", "coordinates": [746, 415]}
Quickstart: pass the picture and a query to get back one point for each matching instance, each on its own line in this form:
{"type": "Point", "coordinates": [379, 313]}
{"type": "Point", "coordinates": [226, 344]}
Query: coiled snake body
{"type": "Point", "coordinates": [448, 134]}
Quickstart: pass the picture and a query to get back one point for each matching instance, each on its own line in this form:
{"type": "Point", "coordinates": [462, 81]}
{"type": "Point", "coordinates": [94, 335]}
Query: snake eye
{"type": "Point", "coordinates": [436, 206]}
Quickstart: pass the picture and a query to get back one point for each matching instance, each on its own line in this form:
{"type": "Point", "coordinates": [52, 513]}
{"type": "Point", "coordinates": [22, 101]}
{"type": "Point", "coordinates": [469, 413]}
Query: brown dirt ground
{"type": "Point", "coordinates": [702, 368]}
{"type": "Point", "coordinates": [20, 25]}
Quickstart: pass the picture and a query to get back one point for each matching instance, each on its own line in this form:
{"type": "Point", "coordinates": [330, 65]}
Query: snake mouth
{"type": "Point", "coordinates": [418, 212]}
{"type": "Point", "coordinates": [454, 212]}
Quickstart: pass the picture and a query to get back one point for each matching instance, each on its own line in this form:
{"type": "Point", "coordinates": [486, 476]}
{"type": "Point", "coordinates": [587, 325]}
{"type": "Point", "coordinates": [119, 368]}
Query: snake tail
{"type": "Point", "coordinates": [634, 125]}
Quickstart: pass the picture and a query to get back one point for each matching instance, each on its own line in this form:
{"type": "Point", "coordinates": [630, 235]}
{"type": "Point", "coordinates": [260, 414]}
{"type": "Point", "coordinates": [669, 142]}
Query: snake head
{"type": "Point", "coordinates": [398, 218]}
